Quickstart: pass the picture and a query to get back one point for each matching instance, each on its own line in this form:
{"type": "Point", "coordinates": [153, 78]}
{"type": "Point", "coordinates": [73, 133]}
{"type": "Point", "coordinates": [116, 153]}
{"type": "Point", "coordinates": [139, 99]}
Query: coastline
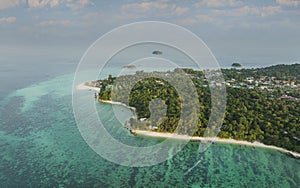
{"type": "Point", "coordinates": [84, 86]}
{"type": "Point", "coordinates": [117, 103]}
{"type": "Point", "coordinates": [153, 134]}
{"type": "Point", "coordinates": [214, 139]}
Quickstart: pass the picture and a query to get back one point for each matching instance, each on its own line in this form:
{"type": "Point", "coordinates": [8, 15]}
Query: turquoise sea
{"type": "Point", "coordinates": [40, 146]}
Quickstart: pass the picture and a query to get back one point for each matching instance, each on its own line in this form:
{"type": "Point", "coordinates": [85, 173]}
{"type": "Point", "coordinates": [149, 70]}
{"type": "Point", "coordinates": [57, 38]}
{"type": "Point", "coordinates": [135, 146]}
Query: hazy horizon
{"type": "Point", "coordinates": [256, 32]}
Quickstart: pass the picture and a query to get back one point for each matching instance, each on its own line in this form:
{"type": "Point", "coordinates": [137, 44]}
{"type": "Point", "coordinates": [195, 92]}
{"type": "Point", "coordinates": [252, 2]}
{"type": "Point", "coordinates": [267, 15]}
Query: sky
{"type": "Point", "coordinates": [256, 31]}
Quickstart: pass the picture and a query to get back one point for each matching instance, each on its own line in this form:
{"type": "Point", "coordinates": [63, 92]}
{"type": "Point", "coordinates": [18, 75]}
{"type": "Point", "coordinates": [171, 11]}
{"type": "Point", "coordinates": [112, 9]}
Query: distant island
{"type": "Point", "coordinates": [236, 65]}
{"type": "Point", "coordinates": [263, 104]}
{"type": "Point", "coordinates": [156, 52]}
{"type": "Point", "coordinates": [130, 66]}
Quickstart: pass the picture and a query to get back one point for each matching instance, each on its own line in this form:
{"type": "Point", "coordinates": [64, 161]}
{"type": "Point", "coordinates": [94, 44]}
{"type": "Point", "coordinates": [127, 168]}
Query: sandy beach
{"type": "Point", "coordinates": [83, 86]}
{"type": "Point", "coordinates": [117, 103]}
{"type": "Point", "coordinates": [214, 139]}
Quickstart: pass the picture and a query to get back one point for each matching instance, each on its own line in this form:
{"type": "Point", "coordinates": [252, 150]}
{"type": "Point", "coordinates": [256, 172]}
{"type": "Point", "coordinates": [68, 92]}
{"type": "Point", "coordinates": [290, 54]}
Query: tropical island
{"type": "Point", "coordinates": [129, 66]}
{"type": "Point", "coordinates": [157, 52]}
{"type": "Point", "coordinates": [263, 104]}
{"type": "Point", "coordinates": [236, 65]}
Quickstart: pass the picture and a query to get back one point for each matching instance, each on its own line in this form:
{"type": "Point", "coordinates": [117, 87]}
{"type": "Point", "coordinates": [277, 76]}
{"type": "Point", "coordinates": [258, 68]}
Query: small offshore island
{"type": "Point", "coordinates": [263, 105]}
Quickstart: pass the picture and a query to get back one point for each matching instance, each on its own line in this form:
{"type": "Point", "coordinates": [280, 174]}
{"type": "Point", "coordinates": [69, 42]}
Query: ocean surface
{"type": "Point", "coordinates": [41, 146]}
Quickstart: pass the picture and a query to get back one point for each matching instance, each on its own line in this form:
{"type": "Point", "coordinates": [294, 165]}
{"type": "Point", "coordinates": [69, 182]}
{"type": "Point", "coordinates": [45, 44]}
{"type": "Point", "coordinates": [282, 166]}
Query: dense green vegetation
{"type": "Point", "coordinates": [251, 114]}
{"type": "Point", "coordinates": [281, 72]}
{"type": "Point", "coordinates": [157, 52]}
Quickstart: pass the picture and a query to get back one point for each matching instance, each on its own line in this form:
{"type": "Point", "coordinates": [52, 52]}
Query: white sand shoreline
{"type": "Point", "coordinates": [117, 103]}
{"type": "Point", "coordinates": [83, 86]}
{"type": "Point", "coordinates": [213, 139]}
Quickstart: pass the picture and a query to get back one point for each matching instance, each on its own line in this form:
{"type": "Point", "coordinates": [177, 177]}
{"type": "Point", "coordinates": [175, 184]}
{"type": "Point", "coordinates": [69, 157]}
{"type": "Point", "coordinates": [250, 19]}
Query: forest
{"type": "Point", "coordinates": [252, 114]}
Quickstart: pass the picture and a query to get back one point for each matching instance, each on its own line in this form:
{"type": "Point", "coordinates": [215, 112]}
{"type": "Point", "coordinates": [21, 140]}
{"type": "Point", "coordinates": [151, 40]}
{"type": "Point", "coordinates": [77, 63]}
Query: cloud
{"type": "Point", "coordinates": [73, 4]}
{"type": "Point", "coordinates": [78, 4]}
{"type": "Point", "coordinates": [162, 8]}
{"type": "Point", "coordinates": [54, 3]}
{"type": "Point", "coordinates": [294, 3]}
{"type": "Point", "coordinates": [250, 10]}
{"type": "Point", "coordinates": [218, 3]}
{"type": "Point", "coordinates": [270, 10]}
{"type": "Point", "coordinates": [197, 20]}
{"type": "Point", "coordinates": [38, 3]}
{"type": "Point", "coordinates": [147, 6]}
{"type": "Point", "coordinates": [179, 11]}
{"type": "Point", "coordinates": [10, 19]}
{"type": "Point", "coordinates": [56, 23]}
{"type": "Point", "coordinates": [31, 3]}
{"type": "Point", "coordinates": [10, 3]}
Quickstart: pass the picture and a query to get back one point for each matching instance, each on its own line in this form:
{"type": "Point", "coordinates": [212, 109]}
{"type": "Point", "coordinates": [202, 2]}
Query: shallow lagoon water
{"type": "Point", "coordinates": [41, 146]}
